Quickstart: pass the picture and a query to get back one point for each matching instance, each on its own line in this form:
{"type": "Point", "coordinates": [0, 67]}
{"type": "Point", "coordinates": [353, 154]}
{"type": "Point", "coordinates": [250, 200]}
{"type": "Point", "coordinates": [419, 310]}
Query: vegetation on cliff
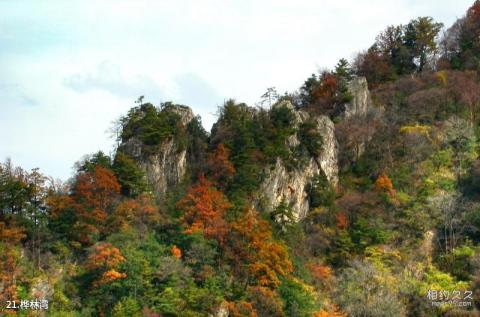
{"type": "Point", "coordinates": [403, 220]}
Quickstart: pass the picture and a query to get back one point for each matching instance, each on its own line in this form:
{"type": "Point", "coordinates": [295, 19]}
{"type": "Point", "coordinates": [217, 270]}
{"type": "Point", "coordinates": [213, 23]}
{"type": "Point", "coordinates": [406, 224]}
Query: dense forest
{"type": "Point", "coordinates": [356, 195]}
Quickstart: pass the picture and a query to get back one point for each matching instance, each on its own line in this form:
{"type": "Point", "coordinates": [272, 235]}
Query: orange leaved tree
{"type": "Point", "coordinates": [220, 167]}
{"type": "Point", "coordinates": [204, 208]}
{"type": "Point", "coordinates": [384, 184]}
{"type": "Point", "coordinates": [94, 197]}
{"type": "Point", "coordinates": [10, 254]}
{"type": "Point", "coordinates": [139, 212]}
{"type": "Point", "coordinates": [259, 259]}
{"type": "Point", "coordinates": [104, 262]}
{"type": "Point", "coordinates": [176, 252]}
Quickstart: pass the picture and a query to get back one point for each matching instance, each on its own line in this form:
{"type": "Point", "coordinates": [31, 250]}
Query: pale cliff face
{"type": "Point", "coordinates": [358, 89]}
{"type": "Point", "coordinates": [166, 165]}
{"type": "Point", "coordinates": [289, 186]}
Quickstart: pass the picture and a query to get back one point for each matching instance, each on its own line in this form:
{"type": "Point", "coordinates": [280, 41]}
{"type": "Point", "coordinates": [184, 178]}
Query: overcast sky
{"type": "Point", "coordinates": [69, 68]}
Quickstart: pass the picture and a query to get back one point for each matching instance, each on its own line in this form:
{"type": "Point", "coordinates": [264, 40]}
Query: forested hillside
{"type": "Point", "coordinates": [357, 195]}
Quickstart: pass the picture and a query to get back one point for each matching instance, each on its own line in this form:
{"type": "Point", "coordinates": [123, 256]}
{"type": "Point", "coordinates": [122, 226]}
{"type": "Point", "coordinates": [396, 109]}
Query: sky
{"type": "Point", "coordinates": [69, 69]}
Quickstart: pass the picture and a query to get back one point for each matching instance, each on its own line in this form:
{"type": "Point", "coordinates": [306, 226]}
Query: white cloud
{"type": "Point", "coordinates": [108, 76]}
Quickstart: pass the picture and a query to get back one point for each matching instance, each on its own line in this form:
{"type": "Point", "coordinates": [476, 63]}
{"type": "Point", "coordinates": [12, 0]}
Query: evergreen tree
{"type": "Point", "coordinates": [129, 175]}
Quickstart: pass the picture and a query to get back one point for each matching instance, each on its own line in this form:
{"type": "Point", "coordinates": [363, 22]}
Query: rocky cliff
{"type": "Point", "coordinates": [290, 185]}
{"type": "Point", "coordinates": [358, 119]}
{"type": "Point", "coordinates": [361, 100]}
{"type": "Point", "coordinates": [164, 164]}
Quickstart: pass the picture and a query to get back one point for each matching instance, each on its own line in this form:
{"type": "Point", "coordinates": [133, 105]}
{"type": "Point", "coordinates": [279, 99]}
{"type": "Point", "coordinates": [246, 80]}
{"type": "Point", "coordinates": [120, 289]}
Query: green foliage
{"type": "Point", "coordinates": [344, 74]}
{"type": "Point", "coordinates": [282, 216]}
{"type": "Point", "coordinates": [460, 262]}
{"type": "Point", "coordinates": [127, 307]}
{"type": "Point", "coordinates": [310, 137]}
{"type": "Point", "coordinates": [365, 233]}
{"type": "Point", "coordinates": [129, 175]}
{"type": "Point", "coordinates": [269, 97]}
{"type": "Point", "coordinates": [91, 162]}
{"type": "Point", "coordinates": [150, 124]}
{"type": "Point", "coordinates": [254, 138]}
{"type": "Point", "coordinates": [187, 300]}
{"type": "Point", "coordinates": [306, 91]}
{"type": "Point", "coordinates": [342, 249]}
{"type": "Point", "coordinates": [420, 37]}
{"type": "Point", "coordinates": [299, 299]}
{"type": "Point", "coordinates": [363, 249]}
{"type": "Point", "coordinates": [276, 131]}
{"type": "Point", "coordinates": [196, 146]}
{"type": "Point", "coordinates": [343, 70]}
{"type": "Point", "coordinates": [400, 50]}
{"type": "Point", "coordinates": [201, 255]}
{"type": "Point", "coordinates": [321, 192]}
{"type": "Point", "coordinates": [438, 280]}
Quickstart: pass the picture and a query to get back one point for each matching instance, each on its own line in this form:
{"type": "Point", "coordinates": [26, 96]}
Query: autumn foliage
{"type": "Point", "coordinates": [220, 167]}
{"type": "Point", "coordinates": [105, 259]}
{"type": "Point", "coordinates": [335, 312]}
{"type": "Point", "coordinates": [342, 221]}
{"type": "Point", "coordinates": [176, 252]}
{"type": "Point", "coordinates": [185, 222]}
{"type": "Point", "coordinates": [10, 238]}
{"type": "Point", "coordinates": [241, 309]}
{"type": "Point", "coordinates": [140, 212]}
{"type": "Point", "coordinates": [384, 184]}
{"type": "Point", "coordinates": [321, 272]}
{"type": "Point", "coordinates": [93, 198]}
{"type": "Point", "coordinates": [109, 276]}
{"type": "Point", "coordinates": [265, 259]}
{"type": "Point", "coordinates": [104, 256]}
{"type": "Point", "coordinates": [327, 87]}
{"type": "Point", "coordinates": [95, 208]}
{"type": "Point", "coordinates": [204, 210]}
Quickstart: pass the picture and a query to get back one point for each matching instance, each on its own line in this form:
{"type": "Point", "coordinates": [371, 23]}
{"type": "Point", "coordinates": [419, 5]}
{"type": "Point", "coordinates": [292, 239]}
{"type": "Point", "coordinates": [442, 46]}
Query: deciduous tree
{"type": "Point", "coordinates": [94, 197]}
{"type": "Point", "coordinates": [204, 208]}
{"type": "Point", "coordinates": [103, 262]}
{"type": "Point", "coordinates": [260, 259]}
{"type": "Point", "coordinates": [220, 168]}
{"type": "Point", "coordinates": [10, 255]}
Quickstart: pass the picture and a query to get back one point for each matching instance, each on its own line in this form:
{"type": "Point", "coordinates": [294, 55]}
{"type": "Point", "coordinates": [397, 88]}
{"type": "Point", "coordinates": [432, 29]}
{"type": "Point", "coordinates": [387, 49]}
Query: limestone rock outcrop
{"type": "Point", "coordinates": [361, 100]}
{"type": "Point", "coordinates": [165, 165]}
{"type": "Point", "coordinates": [289, 185]}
